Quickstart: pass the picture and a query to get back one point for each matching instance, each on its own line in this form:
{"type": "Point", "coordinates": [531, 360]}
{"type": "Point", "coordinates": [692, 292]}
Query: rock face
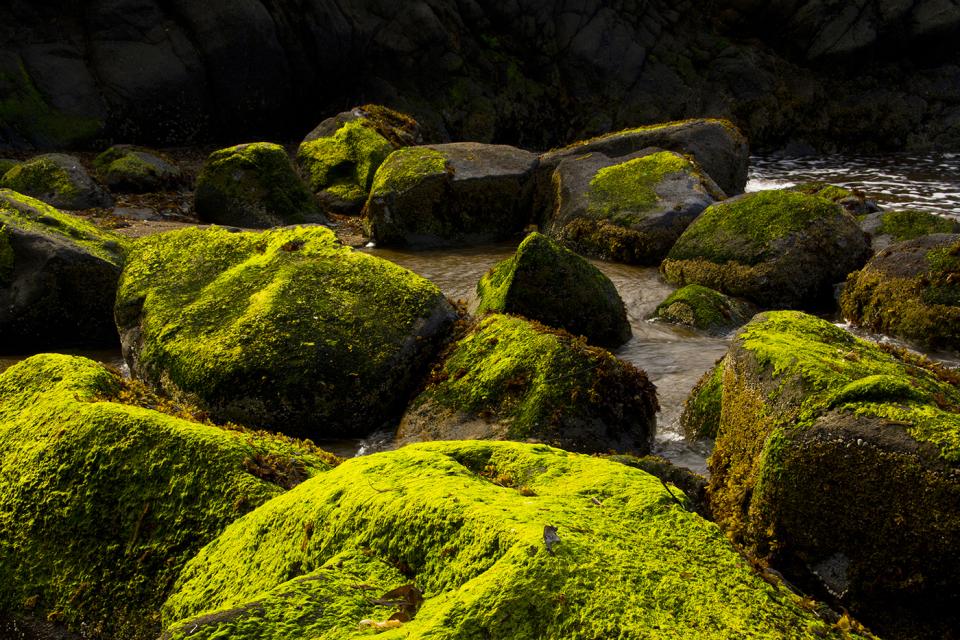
{"type": "Point", "coordinates": [910, 290]}
{"type": "Point", "coordinates": [285, 329]}
{"type": "Point", "coordinates": [59, 180]}
{"type": "Point", "coordinates": [465, 523]}
{"type": "Point", "coordinates": [631, 209]}
{"type": "Point", "coordinates": [704, 309]}
{"type": "Point", "coordinates": [58, 278]}
{"type": "Point", "coordinates": [136, 170]}
{"type": "Point", "coordinates": [509, 378]}
{"type": "Point", "coordinates": [450, 194]}
{"type": "Point", "coordinates": [550, 284]}
{"type": "Point", "coordinates": [779, 249]}
{"type": "Point", "coordinates": [104, 498]}
{"type": "Point", "coordinates": [253, 185]}
{"type": "Point", "coordinates": [827, 445]}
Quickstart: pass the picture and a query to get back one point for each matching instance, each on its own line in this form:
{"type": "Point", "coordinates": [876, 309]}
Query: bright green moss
{"type": "Point", "coordinates": [909, 224]}
{"type": "Point", "coordinates": [406, 167]}
{"type": "Point", "coordinates": [285, 328]}
{"type": "Point", "coordinates": [624, 192]}
{"type": "Point", "coordinates": [830, 192]}
{"type": "Point", "coordinates": [345, 163]}
{"type": "Point", "coordinates": [104, 500]}
{"type": "Point", "coordinates": [6, 254]}
{"type": "Point", "coordinates": [41, 175]}
{"type": "Point", "coordinates": [701, 410]}
{"type": "Point", "coordinates": [703, 308]}
{"type": "Point", "coordinates": [465, 523]}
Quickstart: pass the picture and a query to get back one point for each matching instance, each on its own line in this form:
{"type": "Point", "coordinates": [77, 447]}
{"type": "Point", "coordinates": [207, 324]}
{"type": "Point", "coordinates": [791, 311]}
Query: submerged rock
{"type": "Point", "coordinates": [838, 461]}
{"type": "Point", "coordinates": [58, 278]}
{"type": "Point", "coordinates": [285, 329]}
{"type": "Point", "coordinates": [910, 290]}
{"type": "Point", "coordinates": [450, 194]}
{"type": "Point", "coordinates": [518, 380]}
{"type": "Point", "coordinates": [253, 185]}
{"type": "Point", "coordinates": [631, 209]}
{"type": "Point", "coordinates": [480, 540]}
{"type": "Point", "coordinates": [107, 490]}
{"type": "Point", "coordinates": [133, 169]}
{"type": "Point", "coordinates": [779, 249]}
{"type": "Point", "coordinates": [57, 179]}
{"type": "Point", "coordinates": [705, 309]}
{"type": "Point", "coordinates": [550, 284]}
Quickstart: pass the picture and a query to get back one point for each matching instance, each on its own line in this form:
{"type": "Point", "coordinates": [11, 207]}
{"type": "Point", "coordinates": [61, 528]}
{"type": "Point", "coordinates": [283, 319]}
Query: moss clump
{"type": "Point", "coordinates": [624, 192]}
{"type": "Point", "coordinates": [136, 170]}
{"type": "Point", "coordinates": [57, 179]}
{"type": "Point", "coordinates": [825, 190]}
{"type": "Point", "coordinates": [703, 308]}
{"type": "Point", "coordinates": [103, 501]}
{"type": "Point", "coordinates": [774, 248]}
{"type": "Point", "coordinates": [701, 410]}
{"type": "Point", "coordinates": [285, 328]}
{"type": "Point", "coordinates": [538, 384]}
{"type": "Point", "coordinates": [548, 283]}
{"type": "Point", "coordinates": [464, 523]}
{"type": "Point", "coordinates": [406, 168]}
{"type": "Point", "coordinates": [827, 446]}
{"type": "Point", "coordinates": [253, 185]}
{"type": "Point", "coordinates": [6, 164]}
{"type": "Point", "coordinates": [908, 224]}
{"type": "Point", "coordinates": [910, 290]}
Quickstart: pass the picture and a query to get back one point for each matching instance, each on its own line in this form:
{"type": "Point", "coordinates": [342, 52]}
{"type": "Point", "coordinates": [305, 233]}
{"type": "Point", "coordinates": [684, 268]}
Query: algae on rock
{"type": "Point", "coordinates": [705, 309]}
{"type": "Point", "coordinates": [137, 170]}
{"type": "Point", "coordinates": [57, 179]}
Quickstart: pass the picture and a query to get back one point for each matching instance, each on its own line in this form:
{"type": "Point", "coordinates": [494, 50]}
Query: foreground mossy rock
{"type": "Point", "coordinates": [340, 157]}
{"type": "Point", "coordinates": [910, 290]}
{"type": "Point", "coordinates": [900, 225]}
{"type": "Point", "coordinates": [854, 201]}
{"type": "Point", "coordinates": [57, 179]}
{"type": "Point", "coordinates": [701, 409]}
{"type": "Point", "coordinates": [104, 498]}
{"type": "Point", "coordinates": [127, 168]}
{"type": "Point", "coordinates": [253, 185]}
{"type": "Point", "coordinates": [548, 283]}
{"type": "Point", "coordinates": [779, 249]}
{"type": "Point", "coordinates": [631, 209]}
{"type": "Point", "coordinates": [704, 309]}
{"type": "Point", "coordinates": [839, 461]}
{"type": "Point", "coordinates": [514, 379]}
{"type": "Point", "coordinates": [455, 539]}
{"type": "Point", "coordinates": [450, 194]}
{"type": "Point", "coordinates": [285, 329]}
{"type": "Point", "coordinates": [58, 277]}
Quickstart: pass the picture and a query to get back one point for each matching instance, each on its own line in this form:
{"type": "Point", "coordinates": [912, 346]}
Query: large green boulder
{"type": "Point", "coordinates": [450, 194]}
{"type": "Point", "coordinates": [910, 290]}
{"type": "Point", "coordinates": [705, 309]}
{"type": "Point", "coordinates": [630, 209]}
{"type": "Point", "coordinates": [285, 329]}
{"type": "Point", "coordinates": [777, 249]}
{"type": "Point", "coordinates": [58, 278]}
{"type": "Point", "coordinates": [459, 540]}
{"type": "Point", "coordinates": [510, 378]}
{"type": "Point", "coordinates": [107, 490]}
{"type": "Point", "coordinates": [255, 186]}
{"type": "Point", "coordinates": [57, 179]}
{"type": "Point", "coordinates": [133, 169]}
{"type": "Point", "coordinates": [544, 281]}
{"type": "Point", "coordinates": [838, 461]}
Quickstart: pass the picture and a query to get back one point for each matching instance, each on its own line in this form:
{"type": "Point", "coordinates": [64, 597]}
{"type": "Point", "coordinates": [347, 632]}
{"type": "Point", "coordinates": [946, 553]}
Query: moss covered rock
{"type": "Point", "coordinates": [253, 185]}
{"type": "Point", "coordinates": [853, 200]}
{"type": "Point", "coordinates": [479, 540]}
{"type": "Point", "coordinates": [58, 277]}
{"type": "Point", "coordinates": [910, 290]}
{"type": "Point", "coordinates": [839, 462]}
{"type": "Point", "coordinates": [400, 129]}
{"type": "Point", "coordinates": [136, 170]}
{"type": "Point", "coordinates": [510, 378]}
{"type": "Point", "coordinates": [630, 209]}
{"type": "Point", "coordinates": [6, 164]}
{"type": "Point", "coordinates": [285, 329]}
{"type": "Point", "coordinates": [550, 284]}
{"type": "Point", "coordinates": [57, 179]}
{"type": "Point", "coordinates": [705, 309]}
{"type": "Point", "coordinates": [779, 249]}
{"type": "Point", "coordinates": [701, 409]}
{"type": "Point", "coordinates": [450, 194]}
{"type": "Point", "coordinates": [900, 225]}
{"type": "Point", "coordinates": [104, 497]}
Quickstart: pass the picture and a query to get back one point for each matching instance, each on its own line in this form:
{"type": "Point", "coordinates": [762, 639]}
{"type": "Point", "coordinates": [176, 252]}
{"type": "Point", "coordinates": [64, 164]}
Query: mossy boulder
{"type": "Point", "coordinates": [701, 410]}
{"type": "Point", "coordinates": [400, 129]}
{"type": "Point", "coordinates": [900, 225]}
{"type": "Point", "coordinates": [253, 185]}
{"type": "Point", "coordinates": [104, 497]}
{"type": "Point", "coordinates": [853, 200]}
{"type": "Point", "coordinates": [705, 309]}
{"type": "Point", "coordinates": [777, 249]}
{"type": "Point", "coordinates": [838, 461]}
{"type": "Point", "coordinates": [545, 282]}
{"type": "Point", "coordinates": [910, 290]}
{"type": "Point", "coordinates": [285, 329]}
{"type": "Point", "coordinates": [510, 378]}
{"type": "Point", "coordinates": [59, 180]}
{"type": "Point", "coordinates": [131, 169]}
{"type": "Point", "coordinates": [631, 209]}
{"type": "Point", "coordinates": [58, 277]}
{"type": "Point", "coordinates": [6, 164]}
{"type": "Point", "coordinates": [450, 194]}
{"type": "Point", "coordinates": [480, 540]}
